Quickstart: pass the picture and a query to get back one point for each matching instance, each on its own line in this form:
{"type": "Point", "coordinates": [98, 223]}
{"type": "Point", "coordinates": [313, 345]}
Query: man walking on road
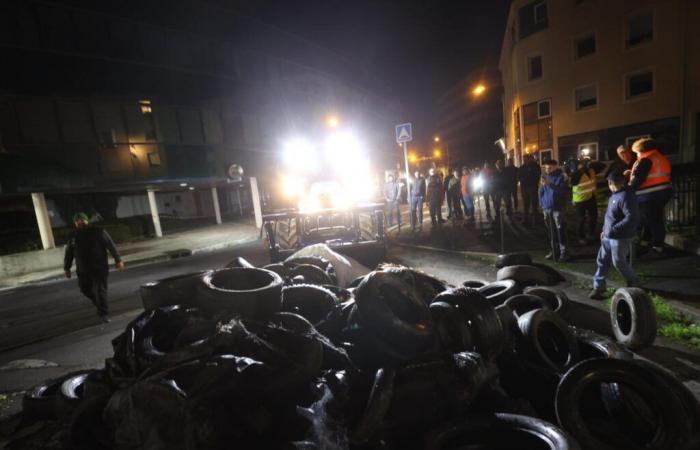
{"type": "Point", "coordinates": [391, 196]}
{"type": "Point", "coordinates": [651, 179]}
{"type": "Point", "coordinates": [416, 195]}
{"type": "Point", "coordinates": [89, 246]}
{"type": "Point", "coordinates": [553, 198]}
{"type": "Point", "coordinates": [619, 230]}
{"type": "Point", "coordinates": [529, 175]}
{"type": "Point", "coordinates": [583, 186]}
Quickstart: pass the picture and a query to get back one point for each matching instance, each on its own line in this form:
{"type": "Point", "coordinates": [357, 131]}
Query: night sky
{"type": "Point", "coordinates": [417, 49]}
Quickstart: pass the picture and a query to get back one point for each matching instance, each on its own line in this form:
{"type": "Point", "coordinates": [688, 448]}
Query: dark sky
{"type": "Point", "coordinates": [418, 48]}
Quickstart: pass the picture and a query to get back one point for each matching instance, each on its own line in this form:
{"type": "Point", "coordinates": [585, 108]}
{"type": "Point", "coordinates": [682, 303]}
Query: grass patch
{"type": "Point", "coordinates": [676, 325]}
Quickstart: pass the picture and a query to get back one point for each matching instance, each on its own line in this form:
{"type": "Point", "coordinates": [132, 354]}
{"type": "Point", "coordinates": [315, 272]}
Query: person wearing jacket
{"type": "Point", "coordinates": [487, 187]}
{"type": "Point", "coordinates": [554, 193]}
{"type": "Point", "coordinates": [89, 247]}
{"type": "Point", "coordinates": [511, 182]}
{"type": "Point", "coordinates": [619, 230]}
{"type": "Point", "coordinates": [391, 197]}
{"type": "Point", "coordinates": [446, 188]}
{"type": "Point", "coordinates": [454, 194]}
{"type": "Point", "coordinates": [417, 194]}
{"type": "Point", "coordinates": [529, 175]}
{"type": "Point", "coordinates": [651, 179]}
{"type": "Point", "coordinates": [434, 196]}
{"type": "Point", "coordinates": [583, 187]}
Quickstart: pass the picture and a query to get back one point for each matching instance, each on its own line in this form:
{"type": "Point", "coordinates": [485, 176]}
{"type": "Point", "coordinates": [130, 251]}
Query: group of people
{"type": "Point", "coordinates": [640, 183]}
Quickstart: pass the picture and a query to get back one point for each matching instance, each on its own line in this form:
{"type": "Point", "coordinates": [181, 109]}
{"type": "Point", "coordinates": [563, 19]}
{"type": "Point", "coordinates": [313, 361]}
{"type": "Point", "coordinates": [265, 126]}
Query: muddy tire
{"type": "Point", "coordinates": [500, 431]}
{"type": "Point", "coordinates": [555, 299]}
{"type": "Point", "coordinates": [633, 318]}
{"type": "Point", "coordinates": [574, 410]}
{"type": "Point", "coordinates": [251, 293]}
{"type": "Point", "coordinates": [513, 259]}
{"type": "Point", "coordinates": [524, 275]}
{"type": "Point", "coordinates": [548, 338]}
{"type": "Point", "coordinates": [177, 290]}
{"type": "Point", "coordinates": [499, 291]}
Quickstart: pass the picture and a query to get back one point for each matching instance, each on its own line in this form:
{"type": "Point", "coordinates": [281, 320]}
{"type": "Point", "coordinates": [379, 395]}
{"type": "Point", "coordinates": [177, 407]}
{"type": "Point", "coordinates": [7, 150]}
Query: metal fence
{"type": "Point", "coordinates": [682, 210]}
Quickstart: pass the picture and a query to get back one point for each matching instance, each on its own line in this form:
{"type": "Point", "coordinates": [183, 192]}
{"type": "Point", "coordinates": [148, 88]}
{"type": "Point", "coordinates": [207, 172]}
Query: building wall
{"type": "Point", "coordinates": [614, 117]}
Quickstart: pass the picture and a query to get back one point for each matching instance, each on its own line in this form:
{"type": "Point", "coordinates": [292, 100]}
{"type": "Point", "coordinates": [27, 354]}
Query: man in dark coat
{"type": "Point", "coordinates": [511, 180]}
{"type": "Point", "coordinates": [529, 175]}
{"type": "Point", "coordinates": [434, 195]}
{"type": "Point", "coordinates": [89, 246]}
{"type": "Point", "coordinates": [417, 194]}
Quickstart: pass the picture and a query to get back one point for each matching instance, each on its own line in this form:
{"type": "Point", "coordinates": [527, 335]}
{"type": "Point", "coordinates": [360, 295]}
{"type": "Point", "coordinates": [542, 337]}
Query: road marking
{"type": "Point", "coordinates": [20, 364]}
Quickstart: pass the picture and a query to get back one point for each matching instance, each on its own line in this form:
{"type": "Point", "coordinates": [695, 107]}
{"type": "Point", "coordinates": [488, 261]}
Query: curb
{"type": "Point", "coordinates": [481, 256]}
{"type": "Point", "coordinates": [162, 257]}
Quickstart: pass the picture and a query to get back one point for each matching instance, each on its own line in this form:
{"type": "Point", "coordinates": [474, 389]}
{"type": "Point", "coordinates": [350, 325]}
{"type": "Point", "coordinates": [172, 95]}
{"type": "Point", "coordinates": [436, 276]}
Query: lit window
{"type": "Point", "coordinates": [584, 46]}
{"type": "Point", "coordinates": [640, 29]}
{"type": "Point", "coordinates": [534, 67]}
{"type": "Point", "coordinates": [145, 106]}
{"type": "Point", "coordinates": [588, 151]}
{"type": "Point", "coordinates": [586, 97]}
{"type": "Point", "coordinates": [639, 84]}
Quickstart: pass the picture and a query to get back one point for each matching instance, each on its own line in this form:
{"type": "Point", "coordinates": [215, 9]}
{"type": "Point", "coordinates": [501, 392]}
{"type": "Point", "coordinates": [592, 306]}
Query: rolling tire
{"type": "Point", "coordinates": [452, 330]}
{"type": "Point", "coordinates": [549, 339]}
{"type": "Point", "coordinates": [474, 284]}
{"type": "Point", "coordinates": [673, 427]}
{"type": "Point", "coordinates": [499, 291]}
{"type": "Point", "coordinates": [286, 234]}
{"type": "Point", "coordinates": [177, 290]}
{"type": "Point", "coordinates": [252, 293]}
{"type": "Point", "coordinates": [633, 318]}
{"type": "Point", "coordinates": [524, 275]}
{"type": "Point", "coordinates": [522, 303]}
{"type": "Point", "coordinates": [500, 431]}
{"type": "Point", "coordinates": [311, 273]}
{"type": "Point", "coordinates": [513, 259]}
{"type": "Point", "coordinates": [485, 325]}
{"type": "Point", "coordinates": [556, 299]}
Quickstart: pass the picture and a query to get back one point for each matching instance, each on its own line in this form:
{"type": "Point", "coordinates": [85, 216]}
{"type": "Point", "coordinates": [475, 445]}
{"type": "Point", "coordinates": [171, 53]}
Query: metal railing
{"type": "Point", "coordinates": [682, 209]}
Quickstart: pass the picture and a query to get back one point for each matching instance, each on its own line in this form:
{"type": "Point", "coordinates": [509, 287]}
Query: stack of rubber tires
{"type": "Point", "coordinates": [282, 357]}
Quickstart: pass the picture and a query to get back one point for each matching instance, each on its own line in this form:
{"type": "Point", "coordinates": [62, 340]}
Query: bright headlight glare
{"type": "Point", "coordinates": [478, 183]}
{"type": "Point", "coordinates": [292, 186]}
{"type": "Point", "coordinates": [300, 154]}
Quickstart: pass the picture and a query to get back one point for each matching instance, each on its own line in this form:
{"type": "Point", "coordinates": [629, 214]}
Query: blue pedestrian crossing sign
{"type": "Point", "coordinates": [404, 133]}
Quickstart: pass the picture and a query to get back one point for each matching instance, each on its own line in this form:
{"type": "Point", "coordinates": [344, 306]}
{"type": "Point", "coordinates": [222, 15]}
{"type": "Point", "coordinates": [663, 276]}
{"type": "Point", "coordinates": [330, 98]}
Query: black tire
{"type": "Point", "coordinates": [157, 334]}
{"type": "Point", "coordinates": [474, 284]}
{"type": "Point", "coordinates": [594, 345]}
{"type": "Point", "coordinates": [451, 328]}
{"type": "Point", "coordinates": [549, 339]}
{"type": "Point", "coordinates": [573, 399]}
{"type": "Point", "coordinates": [177, 290]}
{"type": "Point", "coordinates": [500, 431]}
{"type": "Point", "coordinates": [499, 291]}
{"type": "Point", "coordinates": [312, 274]}
{"type": "Point", "coordinates": [556, 299]}
{"type": "Point", "coordinates": [524, 275]}
{"type": "Point", "coordinates": [633, 318]}
{"type": "Point", "coordinates": [279, 268]}
{"type": "Point", "coordinates": [239, 261]}
{"type": "Point", "coordinates": [522, 303]}
{"type": "Point", "coordinates": [509, 323]}
{"type": "Point", "coordinates": [253, 293]}
{"type": "Point", "coordinates": [70, 394]}
{"type": "Point", "coordinates": [377, 406]}
{"type": "Point", "coordinates": [485, 325]}
{"type": "Point", "coordinates": [513, 259]}
{"type": "Point", "coordinates": [39, 402]}
{"type": "Point", "coordinates": [394, 311]}
{"type": "Point", "coordinates": [314, 303]}
{"type": "Point", "coordinates": [286, 234]}
{"type": "Point", "coordinates": [343, 294]}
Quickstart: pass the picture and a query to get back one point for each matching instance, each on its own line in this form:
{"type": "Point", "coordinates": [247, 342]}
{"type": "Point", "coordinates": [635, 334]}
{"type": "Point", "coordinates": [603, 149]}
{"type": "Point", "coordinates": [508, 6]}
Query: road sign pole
{"type": "Point", "coordinates": [408, 174]}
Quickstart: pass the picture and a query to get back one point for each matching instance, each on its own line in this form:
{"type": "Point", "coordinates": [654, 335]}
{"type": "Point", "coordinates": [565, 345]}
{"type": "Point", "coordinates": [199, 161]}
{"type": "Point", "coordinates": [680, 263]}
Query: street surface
{"type": "Point", "coordinates": [59, 329]}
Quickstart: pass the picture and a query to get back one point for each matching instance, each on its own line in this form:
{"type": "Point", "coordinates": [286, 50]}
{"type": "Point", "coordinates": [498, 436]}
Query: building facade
{"type": "Point", "coordinates": [582, 77]}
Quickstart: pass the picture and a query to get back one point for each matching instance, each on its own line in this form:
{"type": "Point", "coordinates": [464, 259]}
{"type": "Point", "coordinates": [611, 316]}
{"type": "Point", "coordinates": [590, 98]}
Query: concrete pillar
{"type": "Point", "coordinates": [256, 201]}
{"type": "Point", "coordinates": [154, 212]}
{"type": "Point", "coordinates": [42, 219]}
{"type": "Point", "coordinates": [215, 201]}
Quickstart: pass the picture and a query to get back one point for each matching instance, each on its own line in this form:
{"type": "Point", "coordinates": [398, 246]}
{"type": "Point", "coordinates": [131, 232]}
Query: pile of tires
{"type": "Point", "coordinates": [283, 357]}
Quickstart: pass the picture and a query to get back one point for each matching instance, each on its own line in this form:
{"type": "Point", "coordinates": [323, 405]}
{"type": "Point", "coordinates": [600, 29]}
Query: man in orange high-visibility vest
{"type": "Point", "coordinates": [651, 179]}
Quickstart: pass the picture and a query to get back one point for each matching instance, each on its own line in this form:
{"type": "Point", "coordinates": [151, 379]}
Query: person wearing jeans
{"type": "Point", "coordinates": [416, 195]}
{"type": "Point", "coordinates": [619, 230]}
{"type": "Point", "coordinates": [391, 197]}
{"type": "Point", "coordinates": [554, 193]}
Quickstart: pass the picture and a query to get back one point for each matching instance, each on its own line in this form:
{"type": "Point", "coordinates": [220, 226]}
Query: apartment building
{"type": "Point", "coordinates": [581, 77]}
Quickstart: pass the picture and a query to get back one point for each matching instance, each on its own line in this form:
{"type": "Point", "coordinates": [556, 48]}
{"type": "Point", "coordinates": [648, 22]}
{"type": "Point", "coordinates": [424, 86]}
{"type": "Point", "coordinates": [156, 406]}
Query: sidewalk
{"type": "Point", "coordinates": [40, 265]}
{"type": "Point", "coordinates": [675, 276]}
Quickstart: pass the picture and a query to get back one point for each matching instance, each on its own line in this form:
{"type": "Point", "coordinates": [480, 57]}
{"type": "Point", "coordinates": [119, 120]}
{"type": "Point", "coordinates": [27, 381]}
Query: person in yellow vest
{"type": "Point", "coordinates": [583, 184]}
{"type": "Point", "coordinates": [651, 180]}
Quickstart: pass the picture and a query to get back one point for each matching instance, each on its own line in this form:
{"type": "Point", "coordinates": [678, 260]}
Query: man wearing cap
{"type": "Point", "coordinates": [619, 231]}
{"type": "Point", "coordinates": [89, 246]}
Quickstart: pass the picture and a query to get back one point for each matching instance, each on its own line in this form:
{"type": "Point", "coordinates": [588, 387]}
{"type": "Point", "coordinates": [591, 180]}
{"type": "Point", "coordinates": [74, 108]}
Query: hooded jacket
{"type": "Point", "coordinates": [89, 247]}
{"type": "Point", "coordinates": [622, 215]}
{"type": "Point", "coordinates": [554, 194]}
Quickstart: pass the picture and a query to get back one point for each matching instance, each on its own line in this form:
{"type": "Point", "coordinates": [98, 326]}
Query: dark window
{"type": "Point", "coordinates": [534, 67]}
{"type": "Point", "coordinates": [544, 109]}
{"type": "Point", "coordinates": [640, 28]}
{"type": "Point", "coordinates": [585, 46]}
{"type": "Point", "coordinates": [639, 84]}
{"type": "Point", "coordinates": [532, 18]}
{"type": "Point", "coordinates": [586, 97]}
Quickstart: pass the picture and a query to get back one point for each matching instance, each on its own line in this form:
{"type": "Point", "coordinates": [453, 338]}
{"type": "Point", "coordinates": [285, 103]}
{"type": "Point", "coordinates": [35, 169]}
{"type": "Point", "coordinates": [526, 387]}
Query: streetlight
{"type": "Point", "coordinates": [436, 139]}
{"type": "Point", "coordinates": [478, 90]}
{"type": "Point", "coordinates": [332, 121]}
{"type": "Point", "coordinates": [437, 153]}
{"type": "Point", "coordinates": [412, 157]}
